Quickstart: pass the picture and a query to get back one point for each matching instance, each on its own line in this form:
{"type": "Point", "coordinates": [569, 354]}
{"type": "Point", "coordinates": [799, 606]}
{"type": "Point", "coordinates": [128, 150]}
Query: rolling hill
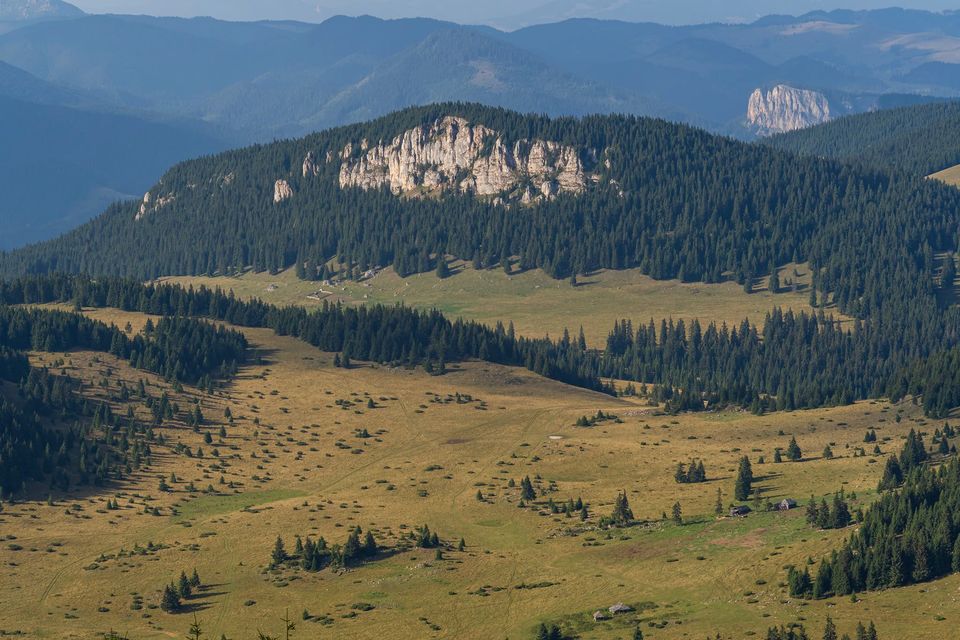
{"type": "Point", "coordinates": [262, 81]}
{"type": "Point", "coordinates": [918, 139]}
{"type": "Point", "coordinates": [502, 190]}
{"type": "Point", "coordinates": [65, 160]}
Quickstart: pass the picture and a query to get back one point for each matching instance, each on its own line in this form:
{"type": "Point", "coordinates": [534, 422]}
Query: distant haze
{"type": "Point", "coordinates": [506, 14]}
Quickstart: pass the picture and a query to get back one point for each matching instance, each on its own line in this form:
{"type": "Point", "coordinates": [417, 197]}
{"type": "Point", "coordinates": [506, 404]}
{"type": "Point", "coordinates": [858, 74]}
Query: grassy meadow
{"type": "Point", "coordinates": [295, 460]}
{"type": "Point", "coordinates": [950, 176]}
{"type": "Point", "coordinates": [536, 303]}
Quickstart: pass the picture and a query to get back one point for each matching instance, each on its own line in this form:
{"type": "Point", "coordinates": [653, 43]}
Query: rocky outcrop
{"type": "Point", "coordinates": [152, 204]}
{"type": "Point", "coordinates": [36, 9]}
{"type": "Point", "coordinates": [281, 191]}
{"type": "Point", "coordinates": [310, 166]}
{"type": "Point", "coordinates": [785, 108]}
{"type": "Point", "coordinates": [453, 154]}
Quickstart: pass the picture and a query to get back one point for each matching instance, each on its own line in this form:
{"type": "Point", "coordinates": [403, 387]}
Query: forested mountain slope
{"type": "Point", "coordinates": [511, 191]}
{"type": "Point", "coordinates": [919, 140]}
{"type": "Point", "coordinates": [610, 192]}
{"type": "Point", "coordinates": [61, 164]}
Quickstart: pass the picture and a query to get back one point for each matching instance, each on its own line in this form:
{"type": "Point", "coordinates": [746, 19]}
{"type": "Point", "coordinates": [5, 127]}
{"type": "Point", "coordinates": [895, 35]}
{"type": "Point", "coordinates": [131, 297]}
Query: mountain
{"type": "Point", "coordinates": [63, 164]}
{"type": "Point", "coordinates": [784, 108]}
{"type": "Point", "coordinates": [918, 139]}
{"type": "Point", "coordinates": [262, 81]}
{"type": "Point", "coordinates": [278, 79]}
{"type": "Point", "coordinates": [567, 195]}
{"type": "Point", "coordinates": [462, 64]}
{"type": "Point", "coordinates": [504, 190]}
{"type": "Point", "coordinates": [25, 10]}
{"type": "Point", "coordinates": [17, 83]}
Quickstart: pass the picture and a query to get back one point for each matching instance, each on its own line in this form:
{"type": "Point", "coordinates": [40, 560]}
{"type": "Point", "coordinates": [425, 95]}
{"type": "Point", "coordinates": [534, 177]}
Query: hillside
{"type": "Point", "coordinates": [63, 164]}
{"type": "Point", "coordinates": [568, 196]}
{"type": "Point", "coordinates": [314, 451]}
{"type": "Point", "coordinates": [919, 139]}
{"type": "Point", "coordinates": [25, 10]}
{"type": "Point", "coordinates": [263, 81]}
{"type": "Point", "coordinates": [270, 79]}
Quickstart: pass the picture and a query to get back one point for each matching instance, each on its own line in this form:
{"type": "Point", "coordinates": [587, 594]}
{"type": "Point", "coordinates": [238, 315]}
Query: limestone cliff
{"type": "Point", "coordinates": [453, 154]}
{"type": "Point", "coordinates": [281, 191]}
{"type": "Point", "coordinates": [36, 9]}
{"type": "Point", "coordinates": [785, 108]}
{"type": "Point", "coordinates": [153, 203]}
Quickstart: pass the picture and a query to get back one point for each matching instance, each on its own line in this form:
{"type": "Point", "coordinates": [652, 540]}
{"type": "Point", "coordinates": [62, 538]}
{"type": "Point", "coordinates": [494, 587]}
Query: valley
{"type": "Point", "coordinates": [589, 330]}
{"type": "Point", "coordinates": [293, 464]}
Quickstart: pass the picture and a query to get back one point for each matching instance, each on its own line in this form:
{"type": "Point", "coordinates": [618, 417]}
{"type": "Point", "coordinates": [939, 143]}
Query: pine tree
{"type": "Point", "coordinates": [677, 513]}
{"type": "Point", "coordinates": [622, 515]}
{"type": "Point", "coordinates": [443, 270]}
{"type": "Point", "coordinates": [718, 507]}
{"type": "Point", "coordinates": [170, 601]}
{"type": "Point", "coordinates": [183, 586]}
{"type": "Point", "coordinates": [829, 630]}
{"type": "Point", "coordinates": [279, 555]}
{"type": "Point", "coordinates": [744, 482]}
{"type": "Point", "coordinates": [527, 491]}
{"type": "Point", "coordinates": [793, 451]}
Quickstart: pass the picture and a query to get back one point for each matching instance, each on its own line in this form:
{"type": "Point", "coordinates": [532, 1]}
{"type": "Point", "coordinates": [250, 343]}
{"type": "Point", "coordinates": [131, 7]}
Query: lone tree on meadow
{"type": "Point", "coordinates": [744, 483]}
{"type": "Point", "coordinates": [183, 586]}
{"type": "Point", "coordinates": [526, 489]}
{"type": "Point", "coordinates": [622, 515]}
{"type": "Point", "coordinates": [793, 451]}
{"type": "Point", "coordinates": [170, 601]}
{"type": "Point", "coordinates": [279, 555]}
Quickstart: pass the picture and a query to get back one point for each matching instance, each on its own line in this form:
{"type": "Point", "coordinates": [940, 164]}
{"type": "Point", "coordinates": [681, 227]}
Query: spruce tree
{"type": "Point", "coordinates": [170, 601]}
{"type": "Point", "coordinates": [793, 451]}
{"type": "Point", "coordinates": [622, 514]}
{"type": "Point", "coordinates": [183, 586]}
{"type": "Point", "coordinates": [744, 482]}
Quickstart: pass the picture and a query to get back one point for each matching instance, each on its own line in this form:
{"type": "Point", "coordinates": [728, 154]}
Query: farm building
{"type": "Point", "coordinates": [739, 511]}
{"type": "Point", "coordinates": [786, 504]}
{"type": "Point", "coordinates": [620, 608]}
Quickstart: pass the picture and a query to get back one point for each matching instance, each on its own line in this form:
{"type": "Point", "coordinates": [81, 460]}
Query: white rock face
{"type": "Point", "coordinates": [153, 204]}
{"type": "Point", "coordinates": [34, 9]}
{"type": "Point", "coordinates": [310, 166]}
{"type": "Point", "coordinates": [785, 108]}
{"type": "Point", "coordinates": [454, 155]}
{"type": "Point", "coordinates": [281, 191]}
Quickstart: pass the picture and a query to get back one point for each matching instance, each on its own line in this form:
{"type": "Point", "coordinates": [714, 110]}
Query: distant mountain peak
{"type": "Point", "coordinates": [16, 10]}
{"type": "Point", "coordinates": [784, 108]}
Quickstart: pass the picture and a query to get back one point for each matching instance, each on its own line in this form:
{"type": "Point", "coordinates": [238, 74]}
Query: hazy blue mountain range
{"type": "Point", "coordinates": [217, 82]}
{"type": "Point", "coordinates": [66, 156]}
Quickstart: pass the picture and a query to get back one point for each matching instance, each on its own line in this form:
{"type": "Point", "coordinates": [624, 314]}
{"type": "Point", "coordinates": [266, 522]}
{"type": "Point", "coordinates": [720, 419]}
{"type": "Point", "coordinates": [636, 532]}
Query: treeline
{"type": "Point", "coordinates": [177, 348]}
{"type": "Point", "coordinates": [918, 140]}
{"type": "Point", "coordinates": [693, 206]}
{"type": "Point", "coordinates": [908, 536]}
{"type": "Point", "coordinates": [795, 360]}
{"type": "Point", "coordinates": [674, 201]}
{"type": "Point", "coordinates": [377, 333]}
{"type": "Point", "coordinates": [792, 361]}
{"type": "Point", "coordinates": [14, 365]}
{"type": "Point", "coordinates": [31, 450]}
{"type": "Point", "coordinates": [936, 379]}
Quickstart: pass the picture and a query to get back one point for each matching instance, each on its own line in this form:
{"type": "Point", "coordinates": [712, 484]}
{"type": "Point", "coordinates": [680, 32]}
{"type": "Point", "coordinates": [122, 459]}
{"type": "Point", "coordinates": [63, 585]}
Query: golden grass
{"type": "Point", "coordinates": [705, 576]}
{"type": "Point", "coordinates": [536, 303]}
{"type": "Point", "coordinates": [950, 176]}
